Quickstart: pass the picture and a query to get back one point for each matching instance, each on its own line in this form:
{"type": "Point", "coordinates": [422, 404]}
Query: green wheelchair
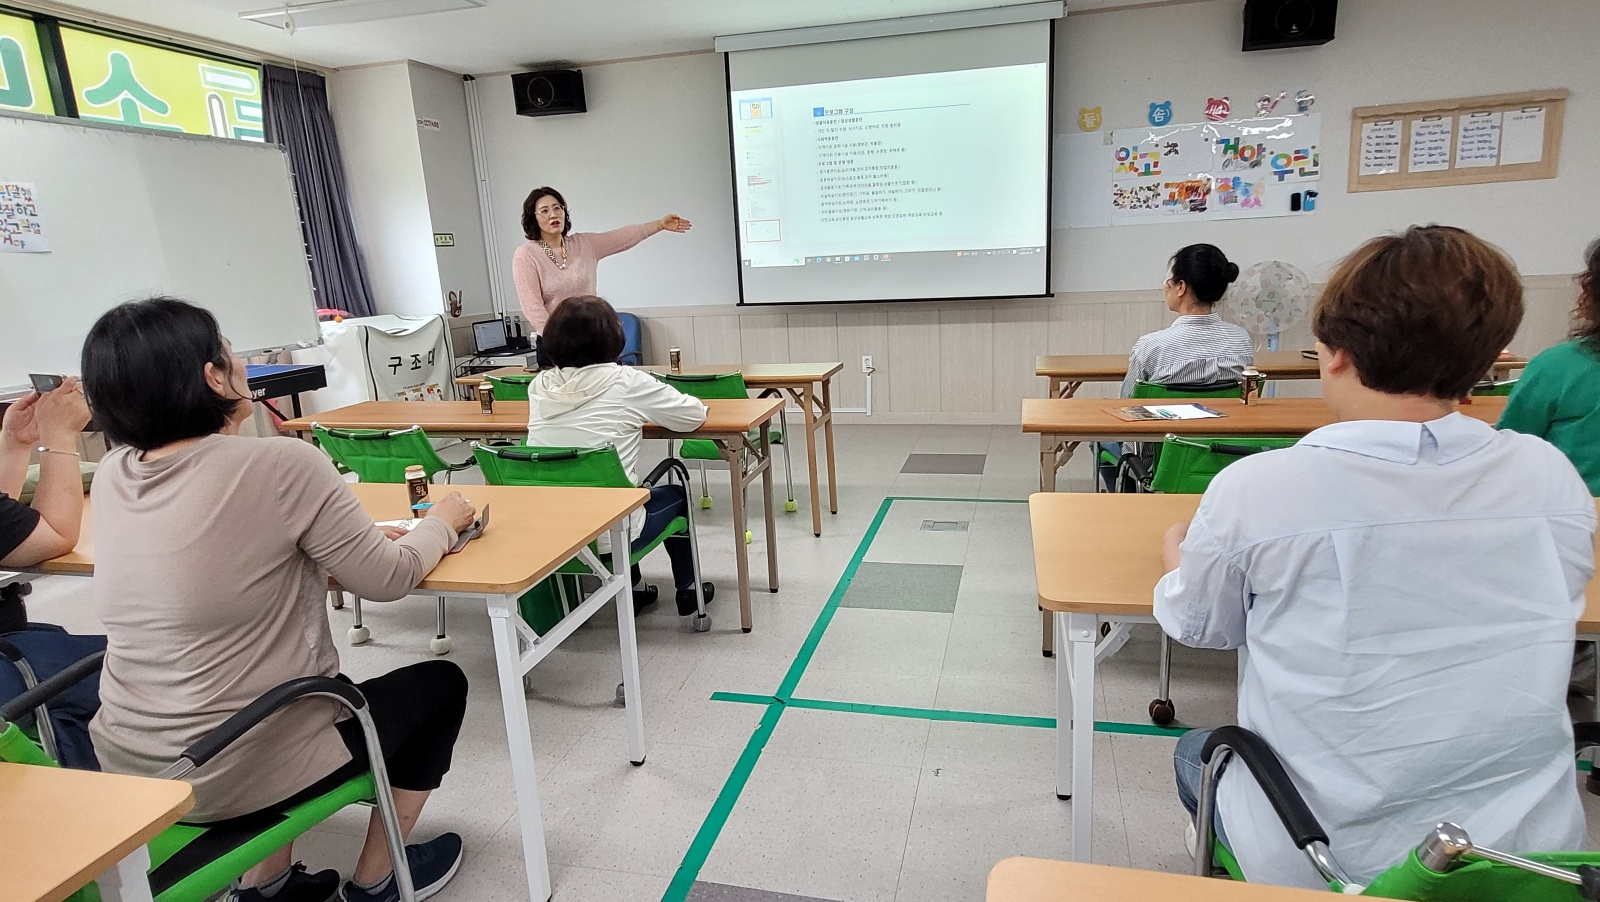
{"type": "Point", "coordinates": [196, 862]}
{"type": "Point", "coordinates": [1446, 866]}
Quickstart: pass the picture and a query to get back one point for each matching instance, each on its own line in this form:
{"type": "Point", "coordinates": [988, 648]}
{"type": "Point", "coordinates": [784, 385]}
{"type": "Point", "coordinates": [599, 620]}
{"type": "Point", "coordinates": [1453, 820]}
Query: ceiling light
{"type": "Point", "coordinates": [343, 12]}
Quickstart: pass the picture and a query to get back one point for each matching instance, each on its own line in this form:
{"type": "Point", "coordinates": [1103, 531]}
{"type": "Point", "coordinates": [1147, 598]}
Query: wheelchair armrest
{"type": "Point", "coordinates": [1234, 450]}
{"type": "Point", "coordinates": [283, 694]}
{"type": "Point", "coordinates": [49, 689]}
{"type": "Point", "coordinates": [1268, 772]}
{"type": "Point", "coordinates": [670, 465]}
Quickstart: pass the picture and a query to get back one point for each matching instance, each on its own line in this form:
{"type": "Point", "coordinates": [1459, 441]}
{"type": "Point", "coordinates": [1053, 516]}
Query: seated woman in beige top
{"type": "Point", "coordinates": [212, 557]}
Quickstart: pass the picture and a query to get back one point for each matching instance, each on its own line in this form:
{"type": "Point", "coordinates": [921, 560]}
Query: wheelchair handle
{"type": "Point", "coordinates": [49, 689]}
{"type": "Point", "coordinates": [277, 697]}
{"type": "Point", "coordinates": [10, 652]}
{"type": "Point", "coordinates": [1274, 781]}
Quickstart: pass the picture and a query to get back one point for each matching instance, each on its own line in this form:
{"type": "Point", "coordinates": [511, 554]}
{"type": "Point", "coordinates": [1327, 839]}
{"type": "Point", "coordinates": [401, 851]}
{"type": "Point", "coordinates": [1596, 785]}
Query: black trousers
{"type": "Point", "coordinates": [417, 711]}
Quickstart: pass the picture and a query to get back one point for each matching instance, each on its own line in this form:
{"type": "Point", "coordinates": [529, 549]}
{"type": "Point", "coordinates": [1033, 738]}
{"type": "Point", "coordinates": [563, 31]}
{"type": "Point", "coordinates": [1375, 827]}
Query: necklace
{"type": "Point", "coordinates": [560, 263]}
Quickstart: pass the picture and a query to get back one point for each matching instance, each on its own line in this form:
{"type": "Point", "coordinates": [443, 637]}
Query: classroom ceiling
{"type": "Point", "coordinates": [516, 34]}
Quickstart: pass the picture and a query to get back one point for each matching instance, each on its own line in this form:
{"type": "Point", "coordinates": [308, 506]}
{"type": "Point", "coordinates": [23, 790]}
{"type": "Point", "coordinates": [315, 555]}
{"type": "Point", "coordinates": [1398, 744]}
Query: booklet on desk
{"type": "Point", "coordinates": [1165, 412]}
{"type": "Point", "coordinates": [471, 532]}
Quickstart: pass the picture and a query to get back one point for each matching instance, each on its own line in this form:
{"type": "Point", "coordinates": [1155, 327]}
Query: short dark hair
{"type": "Point", "coordinates": [1586, 318]}
{"type": "Point", "coordinates": [1205, 269]}
{"type": "Point", "coordinates": [144, 373]}
{"type": "Point", "coordinates": [1423, 312]}
{"type": "Point", "coordinates": [583, 331]}
{"type": "Point", "coordinates": [530, 221]}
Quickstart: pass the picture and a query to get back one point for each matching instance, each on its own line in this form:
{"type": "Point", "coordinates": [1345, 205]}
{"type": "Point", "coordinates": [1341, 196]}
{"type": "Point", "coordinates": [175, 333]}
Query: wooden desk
{"type": "Point", "coordinates": [728, 424]}
{"type": "Point", "coordinates": [809, 384]}
{"type": "Point", "coordinates": [1064, 423]}
{"type": "Point", "coordinates": [523, 545]}
{"type": "Point", "coordinates": [1039, 880]}
{"type": "Point", "coordinates": [1068, 372]}
{"type": "Point", "coordinates": [1099, 556]}
{"type": "Point", "coordinates": [63, 829]}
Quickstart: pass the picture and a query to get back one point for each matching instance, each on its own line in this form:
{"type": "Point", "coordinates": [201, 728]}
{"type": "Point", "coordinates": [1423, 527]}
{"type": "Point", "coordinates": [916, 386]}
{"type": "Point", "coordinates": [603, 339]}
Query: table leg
{"type": "Point", "coordinates": [530, 817]}
{"type": "Point", "coordinates": [627, 637]}
{"type": "Point", "coordinates": [767, 477]}
{"type": "Point", "coordinates": [826, 415]}
{"type": "Point", "coordinates": [1047, 463]}
{"type": "Point", "coordinates": [128, 880]}
{"type": "Point", "coordinates": [1047, 644]}
{"type": "Point", "coordinates": [1080, 631]}
{"type": "Point", "coordinates": [741, 552]}
{"type": "Point", "coordinates": [811, 457]}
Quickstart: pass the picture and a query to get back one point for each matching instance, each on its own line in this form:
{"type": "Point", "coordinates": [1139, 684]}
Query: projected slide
{"type": "Point", "coordinates": [927, 185]}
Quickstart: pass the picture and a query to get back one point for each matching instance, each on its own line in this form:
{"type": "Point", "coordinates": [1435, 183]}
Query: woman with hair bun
{"type": "Point", "coordinates": [1198, 348]}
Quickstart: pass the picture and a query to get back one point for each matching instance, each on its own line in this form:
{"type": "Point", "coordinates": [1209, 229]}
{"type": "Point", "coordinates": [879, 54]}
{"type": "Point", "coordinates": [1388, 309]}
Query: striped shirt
{"type": "Point", "coordinates": [1198, 349]}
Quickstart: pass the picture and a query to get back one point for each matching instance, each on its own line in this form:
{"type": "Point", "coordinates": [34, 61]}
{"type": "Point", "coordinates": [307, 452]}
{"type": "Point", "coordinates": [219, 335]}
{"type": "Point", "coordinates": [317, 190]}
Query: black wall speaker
{"type": "Point", "coordinates": [548, 93]}
{"type": "Point", "coordinates": [1274, 24]}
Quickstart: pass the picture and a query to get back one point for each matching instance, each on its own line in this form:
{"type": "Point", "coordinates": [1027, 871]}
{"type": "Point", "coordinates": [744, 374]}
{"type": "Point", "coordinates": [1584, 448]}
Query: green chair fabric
{"type": "Point", "coordinates": [1493, 389]}
{"type": "Point", "coordinates": [1156, 390]}
{"type": "Point", "coordinates": [1480, 880]}
{"type": "Point", "coordinates": [704, 387]}
{"type": "Point", "coordinates": [1187, 466]}
{"type": "Point", "coordinates": [511, 388]}
{"type": "Point", "coordinates": [30, 482]}
{"type": "Point", "coordinates": [545, 604]}
{"type": "Point", "coordinates": [382, 455]}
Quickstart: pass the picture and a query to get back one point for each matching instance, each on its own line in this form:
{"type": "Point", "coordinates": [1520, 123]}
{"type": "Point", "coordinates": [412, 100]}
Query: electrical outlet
{"type": "Point", "coordinates": [866, 363]}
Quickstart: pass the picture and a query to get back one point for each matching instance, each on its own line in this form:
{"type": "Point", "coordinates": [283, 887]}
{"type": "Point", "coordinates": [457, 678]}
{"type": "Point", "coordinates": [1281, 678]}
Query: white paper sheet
{"type": "Point", "coordinates": [21, 230]}
{"type": "Point", "coordinates": [1380, 147]}
{"type": "Point", "coordinates": [1478, 142]}
{"type": "Point", "coordinates": [1522, 136]}
{"type": "Point", "coordinates": [1430, 144]}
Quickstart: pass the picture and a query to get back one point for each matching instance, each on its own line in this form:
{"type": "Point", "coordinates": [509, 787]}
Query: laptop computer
{"type": "Point", "coordinates": [489, 337]}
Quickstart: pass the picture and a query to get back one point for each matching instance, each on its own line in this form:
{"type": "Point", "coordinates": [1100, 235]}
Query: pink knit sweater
{"type": "Point", "coordinates": [542, 286]}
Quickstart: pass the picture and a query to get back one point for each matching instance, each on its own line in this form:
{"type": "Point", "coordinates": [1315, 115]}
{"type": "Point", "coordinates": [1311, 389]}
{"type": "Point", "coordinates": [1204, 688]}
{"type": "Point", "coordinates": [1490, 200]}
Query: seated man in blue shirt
{"type": "Point", "coordinates": [1402, 586]}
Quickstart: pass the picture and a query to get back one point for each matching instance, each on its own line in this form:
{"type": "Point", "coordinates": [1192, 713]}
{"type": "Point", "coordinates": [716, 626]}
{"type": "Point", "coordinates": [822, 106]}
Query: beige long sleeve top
{"type": "Point", "coordinates": [211, 569]}
{"type": "Point", "coordinates": [542, 286]}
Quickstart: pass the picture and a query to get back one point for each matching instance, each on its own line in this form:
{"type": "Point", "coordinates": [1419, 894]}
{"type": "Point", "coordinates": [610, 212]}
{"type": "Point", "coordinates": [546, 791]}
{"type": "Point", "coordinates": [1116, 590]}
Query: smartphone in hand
{"type": "Point", "coordinates": [43, 383]}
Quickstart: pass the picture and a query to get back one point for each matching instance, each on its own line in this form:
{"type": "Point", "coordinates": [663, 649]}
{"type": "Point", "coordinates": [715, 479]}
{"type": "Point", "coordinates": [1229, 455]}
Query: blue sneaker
{"type": "Point", "coordinates": [432, 864]}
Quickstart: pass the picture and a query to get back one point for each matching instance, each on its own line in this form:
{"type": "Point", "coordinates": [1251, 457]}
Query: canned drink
{"type": "Point", "coordinates": [416, 487]}
{"type": "Point", "coordinates": [675, 359]}
{"type": "Point", "coordinates": [1250, 382]}
{"type": "Point", "coordinates": [486, 398]}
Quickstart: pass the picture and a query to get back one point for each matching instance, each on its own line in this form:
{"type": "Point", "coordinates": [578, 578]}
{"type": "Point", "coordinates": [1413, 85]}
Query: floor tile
{"type": "Point", "coordinates": [831, 829]}
{"type": "Point", "coordinates": [904, 587]}
{"type": "Point", "coordinates": [965, 464]}
{"type": "Point", "coordinates": [850, 736]}
{"type": "Point", "coordinates": [871, 641]}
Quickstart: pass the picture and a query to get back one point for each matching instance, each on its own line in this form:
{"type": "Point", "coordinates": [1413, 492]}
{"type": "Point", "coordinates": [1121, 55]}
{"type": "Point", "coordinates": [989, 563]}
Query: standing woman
{"type": "Point", "coordinates": [555, 264]}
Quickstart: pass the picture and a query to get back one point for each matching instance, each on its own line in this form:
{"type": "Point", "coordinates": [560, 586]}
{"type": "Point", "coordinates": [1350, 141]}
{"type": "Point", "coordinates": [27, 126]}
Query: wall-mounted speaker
{"type": "Point", "coordinates": [549, 93]}
{"type": "Point", "coordinates": [1274, 24]}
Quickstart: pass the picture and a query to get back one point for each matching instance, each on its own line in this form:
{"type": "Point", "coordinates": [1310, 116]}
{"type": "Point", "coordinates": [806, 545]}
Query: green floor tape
{"type": "Point", "coordinates": [944, 714]}
{"type": "Point", "coordinates": [711, 827]}
{"type": "Point", "coordinates": [967, 500]}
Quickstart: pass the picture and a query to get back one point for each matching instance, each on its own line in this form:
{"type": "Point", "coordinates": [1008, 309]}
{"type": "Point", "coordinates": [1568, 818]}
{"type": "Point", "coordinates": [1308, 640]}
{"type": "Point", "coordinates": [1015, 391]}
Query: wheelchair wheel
{"type": "Point", "coordinates": [1163, 712]}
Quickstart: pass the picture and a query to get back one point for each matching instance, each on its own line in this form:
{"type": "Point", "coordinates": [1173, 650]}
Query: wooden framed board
{"type": "Point", "coordinates": [1467, 141]}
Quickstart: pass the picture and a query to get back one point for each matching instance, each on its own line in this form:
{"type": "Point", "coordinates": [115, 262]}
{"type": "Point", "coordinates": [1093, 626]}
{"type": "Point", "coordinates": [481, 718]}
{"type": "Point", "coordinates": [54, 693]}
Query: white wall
{"type": "Point", "coordinates": [1386, 51]}
{"type": "Point", "coordinates": [372, 111]}
{"type": "Point", "coordinates": [452, 191]}
{"type": "Point", "coordinates": [654, 141]}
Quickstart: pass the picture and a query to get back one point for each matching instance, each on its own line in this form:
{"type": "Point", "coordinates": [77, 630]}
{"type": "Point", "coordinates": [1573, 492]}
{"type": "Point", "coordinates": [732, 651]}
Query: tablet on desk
{"type": "Point", "coordinates": [462, 538]}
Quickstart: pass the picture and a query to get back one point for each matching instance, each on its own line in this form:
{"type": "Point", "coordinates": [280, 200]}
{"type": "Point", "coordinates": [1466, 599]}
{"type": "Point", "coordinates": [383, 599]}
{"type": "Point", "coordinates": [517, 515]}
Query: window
{"type": "Point", "coordinates": [22, 79]}
{"type": "Point", "coordinates": [124, 81]}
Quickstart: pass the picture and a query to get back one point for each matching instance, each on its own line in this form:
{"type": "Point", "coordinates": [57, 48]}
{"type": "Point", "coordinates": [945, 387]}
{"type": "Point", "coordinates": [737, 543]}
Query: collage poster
{"type": "Point", "coordinates": [21, 229]}
{"type": "Point", "coordinates": [1214, 170]}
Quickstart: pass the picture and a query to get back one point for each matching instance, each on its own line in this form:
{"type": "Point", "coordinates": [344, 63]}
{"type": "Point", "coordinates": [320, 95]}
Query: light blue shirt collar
{"type": "Point", "coordinates": [1451, 438]}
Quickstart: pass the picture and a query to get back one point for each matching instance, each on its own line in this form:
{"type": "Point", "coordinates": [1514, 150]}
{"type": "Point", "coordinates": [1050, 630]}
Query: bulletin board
{"type": "Point", "coordinates": [1468, 141]}
{"type": "Point", "coordinates": [1239, 169]}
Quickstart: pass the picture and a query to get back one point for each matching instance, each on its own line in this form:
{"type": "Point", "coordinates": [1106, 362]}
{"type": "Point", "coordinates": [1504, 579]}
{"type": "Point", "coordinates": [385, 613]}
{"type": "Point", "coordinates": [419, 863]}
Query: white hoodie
{"type": "Point", "coordinates": [591, 406]}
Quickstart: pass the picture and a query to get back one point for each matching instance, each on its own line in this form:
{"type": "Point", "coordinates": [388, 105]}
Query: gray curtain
{"type": "Point", "coordinates": [296, 106]}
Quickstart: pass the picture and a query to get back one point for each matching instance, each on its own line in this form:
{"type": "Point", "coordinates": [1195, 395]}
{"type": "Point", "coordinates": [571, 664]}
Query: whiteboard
{"type": "Point", "coordinates": [129, 213]}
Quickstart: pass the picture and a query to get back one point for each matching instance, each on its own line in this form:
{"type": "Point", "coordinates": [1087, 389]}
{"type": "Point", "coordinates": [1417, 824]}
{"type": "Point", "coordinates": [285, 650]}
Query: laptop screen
{"type": "Point", "coordinates": [489, 334]}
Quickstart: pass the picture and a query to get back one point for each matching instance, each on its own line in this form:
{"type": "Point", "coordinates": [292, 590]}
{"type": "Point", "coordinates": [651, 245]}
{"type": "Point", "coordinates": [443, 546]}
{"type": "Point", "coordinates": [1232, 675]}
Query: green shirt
{"type": "Point", "coordinates": [1558, 399]}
